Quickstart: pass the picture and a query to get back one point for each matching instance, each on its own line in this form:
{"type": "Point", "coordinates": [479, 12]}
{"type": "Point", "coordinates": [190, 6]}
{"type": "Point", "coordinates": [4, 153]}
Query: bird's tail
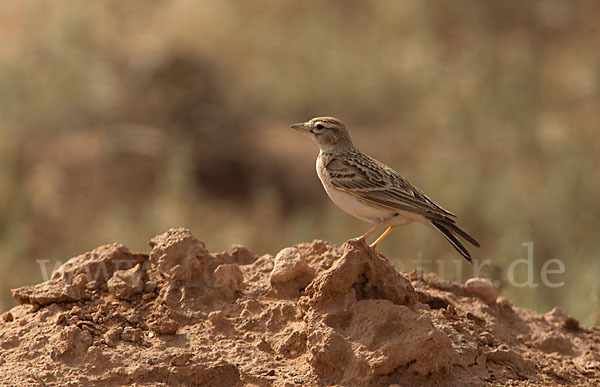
{"type": "Point", "coordinates": [450, 231]}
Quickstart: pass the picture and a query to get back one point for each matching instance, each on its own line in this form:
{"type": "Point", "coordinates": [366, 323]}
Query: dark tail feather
{"type": "Point", "coordinates": [463, 234]}
{"type": "Point", "coordinates": [452, 239]}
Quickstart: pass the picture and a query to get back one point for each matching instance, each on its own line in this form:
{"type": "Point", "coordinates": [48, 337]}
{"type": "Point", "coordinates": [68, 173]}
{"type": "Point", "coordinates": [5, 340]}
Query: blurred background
{"type": "Point", "coordinates": [119, 120]}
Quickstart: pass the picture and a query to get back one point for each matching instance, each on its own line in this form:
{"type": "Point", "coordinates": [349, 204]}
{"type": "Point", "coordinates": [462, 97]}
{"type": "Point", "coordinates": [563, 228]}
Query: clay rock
{"type": "Point", "coordinates": [180, 257]}
{"type": "Point", "coordinates": [99, 264]}
{"type": "Point", "coordinates": [331, 355]}
{"type": "Point", "coordinates": [71, 342]}
{"type": "Point", "coordinates": [164, 325]}
{"type": "Point", "coordinates": [382, 340]}
{"type": "Point", "coordinates": [556, 343]}
{"type": "Point", "coordinates": [242, 255]}
{"type": "Point", "coordinates": [320, 254]}
{"type": "Point", "coordinates": [229, 278]}
{"type": "Point", "coordinates": [130, 334]}
{"type": "Point", "coordinates": [290, 272]}
{"type": "Point", "coordinates": [199, 374]}
{"type": "Point", "coordinates": [483, 289]}
{"type": "Point", "coordinates": [289, 264]}
{"type": "Point", "coordinates": [556, 316]}
{"type": "Point", "coordinates": [125, 284]}
{"type": "Point", "coordinates": [358, 275]}
{"type": "Point", "coordinates": [185, 264]}
{"type": "Point", "coordinates": [403, 337]}
{"type": "Point", "coordinates": [516, 362]}
{"type": "Point", "coordinates": [80, 274]}
{"type": "Point", "coordinates": [364, 324]}
{"type": "Point", "coordinates": [293, 343]}
{"type": "Point", "coordinates": [52, 291]}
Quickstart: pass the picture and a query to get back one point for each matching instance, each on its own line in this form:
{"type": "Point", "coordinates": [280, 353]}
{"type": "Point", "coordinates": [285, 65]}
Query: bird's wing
{"type": "Point", "coordinates": [370, 180]}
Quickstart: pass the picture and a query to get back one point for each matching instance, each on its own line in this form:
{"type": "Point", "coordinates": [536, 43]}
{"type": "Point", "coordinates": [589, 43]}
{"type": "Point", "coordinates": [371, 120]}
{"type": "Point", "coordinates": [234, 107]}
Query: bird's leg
{"type": "Point", "coordinates": [364, 236]}
{"type": "Point", "coordinates": [378, 240]}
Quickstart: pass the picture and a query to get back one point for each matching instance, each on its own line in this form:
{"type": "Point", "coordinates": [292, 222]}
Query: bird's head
{"type": "Point", "coordinates": [328, 132]}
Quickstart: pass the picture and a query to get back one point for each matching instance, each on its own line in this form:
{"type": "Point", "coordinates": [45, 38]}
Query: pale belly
{"type": "Point", "coordinates": [362, 210]}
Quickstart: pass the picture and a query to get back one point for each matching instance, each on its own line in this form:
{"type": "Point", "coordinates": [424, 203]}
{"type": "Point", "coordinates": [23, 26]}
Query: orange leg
{"type": "Point", "coordinates": [385, 233]}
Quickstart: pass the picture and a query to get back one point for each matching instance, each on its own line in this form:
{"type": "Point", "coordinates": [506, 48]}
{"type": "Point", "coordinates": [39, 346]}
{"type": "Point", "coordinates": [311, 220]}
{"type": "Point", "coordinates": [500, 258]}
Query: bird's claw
{"type": "Point", "coordinates": [359, 239]}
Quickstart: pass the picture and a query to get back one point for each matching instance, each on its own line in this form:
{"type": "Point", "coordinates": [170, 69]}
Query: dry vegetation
{"type": "Point", "coordinates": [122, 119]}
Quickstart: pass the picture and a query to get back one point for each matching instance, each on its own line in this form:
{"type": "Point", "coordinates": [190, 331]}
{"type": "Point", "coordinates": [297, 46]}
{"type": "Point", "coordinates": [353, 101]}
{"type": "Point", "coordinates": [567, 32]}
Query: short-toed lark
{"type": "Point", "coordinates": [372, 191]}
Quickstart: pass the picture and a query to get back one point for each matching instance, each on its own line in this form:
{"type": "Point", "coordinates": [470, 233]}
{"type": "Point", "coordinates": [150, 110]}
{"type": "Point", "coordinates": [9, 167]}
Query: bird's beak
{"type": "Point", "coordinates": [299, 126]}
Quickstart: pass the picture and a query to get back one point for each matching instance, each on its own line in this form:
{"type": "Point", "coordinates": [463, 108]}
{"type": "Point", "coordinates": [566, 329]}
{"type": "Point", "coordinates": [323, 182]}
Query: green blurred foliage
{"type": "Point", "coordinates": [121, 119]}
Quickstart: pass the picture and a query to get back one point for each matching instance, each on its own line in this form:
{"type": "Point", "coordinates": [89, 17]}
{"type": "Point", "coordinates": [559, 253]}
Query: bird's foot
{"type": "Point", "coordinates": [363, 240]}
{"type": "Point", "coordinates": [360, 239]}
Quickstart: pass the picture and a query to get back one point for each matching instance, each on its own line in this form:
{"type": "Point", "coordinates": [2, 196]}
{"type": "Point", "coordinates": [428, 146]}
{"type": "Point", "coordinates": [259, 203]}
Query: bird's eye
{"type": "Point", "coordinates": [317, 129]}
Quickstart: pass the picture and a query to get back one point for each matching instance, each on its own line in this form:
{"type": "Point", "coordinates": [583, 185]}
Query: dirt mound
{"type": "Point", "coordinates": [314, 315]}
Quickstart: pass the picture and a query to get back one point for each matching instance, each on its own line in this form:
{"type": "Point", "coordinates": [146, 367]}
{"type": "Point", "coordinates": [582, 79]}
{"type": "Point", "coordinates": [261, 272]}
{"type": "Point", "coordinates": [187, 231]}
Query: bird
{"type": "Point", "coordinates": [373, 192]}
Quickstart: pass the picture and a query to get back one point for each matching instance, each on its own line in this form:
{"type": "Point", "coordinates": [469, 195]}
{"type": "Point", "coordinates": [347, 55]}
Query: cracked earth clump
{"type": "Point", "coordinates": [314, 315]}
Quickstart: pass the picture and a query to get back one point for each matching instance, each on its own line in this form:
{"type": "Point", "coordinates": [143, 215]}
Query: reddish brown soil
{"type": "Point", "coordinates": [315, 315]}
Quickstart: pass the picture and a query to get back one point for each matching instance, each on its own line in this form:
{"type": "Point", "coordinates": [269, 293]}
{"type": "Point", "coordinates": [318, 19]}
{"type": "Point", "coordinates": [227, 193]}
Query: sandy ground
{"type": "Point", "coordinates": [314, 315]}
